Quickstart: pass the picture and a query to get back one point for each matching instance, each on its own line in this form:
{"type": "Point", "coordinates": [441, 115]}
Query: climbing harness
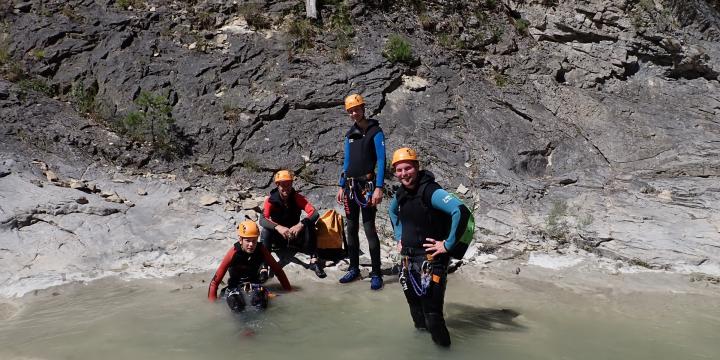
{"type": "Point", "coordinates": [361, 191]}
{"type": "Point", "coordinates": [420, 288]}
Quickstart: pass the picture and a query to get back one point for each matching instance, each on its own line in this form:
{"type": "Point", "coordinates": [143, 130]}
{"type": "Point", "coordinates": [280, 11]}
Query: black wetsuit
{"type": "Point", "coordinates": [363, 170]}
{"type": "Point", "coordinates": [287, 213]}
{"type": "Point", "coordinates": [424, 279]}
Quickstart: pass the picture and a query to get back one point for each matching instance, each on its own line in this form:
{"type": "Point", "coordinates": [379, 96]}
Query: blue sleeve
{"type": "Point", "coordinates": [380, 154]}
{"type": "Point", "coordinates": [394, 220]}
{"type": "Point", "coordinates": [451, 205]}
{"type": "Point", "coordinates": [346, 162]}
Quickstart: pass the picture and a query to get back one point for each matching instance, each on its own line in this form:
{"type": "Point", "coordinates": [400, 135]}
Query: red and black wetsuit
{"type": "Point", "coordinates": [244, 267]}
{"type": "Point", "coordinates": [277, 211]}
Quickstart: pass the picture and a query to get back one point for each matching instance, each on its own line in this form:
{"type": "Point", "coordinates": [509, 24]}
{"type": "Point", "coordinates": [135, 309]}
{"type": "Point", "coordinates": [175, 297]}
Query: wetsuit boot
{"type": "Point", "coordinates": [376, 282]}
{"type": "Point", "coordinates": [353, 244]}
{"type": "Point", "coordinates": [437, 328]}
{"type": "Point", "coordinates": [259, 298]}
{"type": "Point", "coordinates": [235, 301]}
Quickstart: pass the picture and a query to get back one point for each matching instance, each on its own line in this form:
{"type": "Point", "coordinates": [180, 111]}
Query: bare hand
{"type": "Point", "coordinates": [340, 196]}
{"type": "Point", "coordinates": [284, 232]}
{"type": "Point", "coordinates": [376, 197]}
{"type": "Point", "coordinates": [434, 247]}
{"type": "Point", "coordinates": [295, 230]}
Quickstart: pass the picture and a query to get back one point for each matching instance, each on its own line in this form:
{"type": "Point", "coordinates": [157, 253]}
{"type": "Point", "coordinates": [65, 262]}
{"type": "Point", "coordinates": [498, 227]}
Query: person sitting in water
{"type": "Point", "coordinates": [243, 261]}
{"type": "Point", "coordinates": [282, 228]}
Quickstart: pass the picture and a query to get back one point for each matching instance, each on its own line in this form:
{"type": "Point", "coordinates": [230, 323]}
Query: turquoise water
{"type": "Point", "coordinates": [113, 319]}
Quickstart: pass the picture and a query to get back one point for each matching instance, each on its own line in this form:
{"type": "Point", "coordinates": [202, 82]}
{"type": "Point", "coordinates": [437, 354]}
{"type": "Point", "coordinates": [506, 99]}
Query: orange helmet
{"type": "Point", "coordinates": [404, 154]}
{"type": "Point", "coordinates": [283, 175]}
{"type": "Point", "coordinates": [248, 229]}
{"type": "Point", "coordinates": [353, 101]}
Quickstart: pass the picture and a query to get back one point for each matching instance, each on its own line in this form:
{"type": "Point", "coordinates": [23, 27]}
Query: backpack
{"type": "Point", "coordinates": [330, 235]}
{"type": "Point", "coordinates": [462, 243]}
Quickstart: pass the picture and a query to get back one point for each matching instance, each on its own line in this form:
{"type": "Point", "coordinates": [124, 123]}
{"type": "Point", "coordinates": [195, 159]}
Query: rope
{"type": "Point", "coordinates": [421, 288]}
{"type": "Point", "coordinates": [354, 187]}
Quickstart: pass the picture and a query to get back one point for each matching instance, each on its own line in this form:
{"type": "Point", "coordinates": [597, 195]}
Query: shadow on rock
{"type": "Point", "coordinates": [466, 318]}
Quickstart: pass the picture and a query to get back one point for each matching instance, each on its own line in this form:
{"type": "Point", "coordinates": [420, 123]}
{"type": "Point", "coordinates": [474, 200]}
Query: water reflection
{"type": "Point", "coordinates": [468, 319]}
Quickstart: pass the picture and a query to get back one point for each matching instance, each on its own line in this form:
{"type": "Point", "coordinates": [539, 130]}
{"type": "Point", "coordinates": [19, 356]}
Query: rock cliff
{"type": "Point", "coordinates": [585, 125]}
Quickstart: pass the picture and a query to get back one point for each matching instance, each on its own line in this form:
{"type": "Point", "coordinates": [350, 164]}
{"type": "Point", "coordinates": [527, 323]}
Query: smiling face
{"type": "Point", "coordinates": [357, 113]}
{"type": "Point", "coordinates": [407, 173]}
{"type": "Point", "coordinates": [285, 188]}
{"type": "Point", "coordinates": [248, 244]}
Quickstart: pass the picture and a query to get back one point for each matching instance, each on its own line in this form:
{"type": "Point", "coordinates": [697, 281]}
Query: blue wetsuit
{"type": "Point", "coordinates": [363, 171]}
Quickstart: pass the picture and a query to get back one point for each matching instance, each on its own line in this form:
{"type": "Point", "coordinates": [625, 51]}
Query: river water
{"type": "Point", "coordinates": [153, 319]}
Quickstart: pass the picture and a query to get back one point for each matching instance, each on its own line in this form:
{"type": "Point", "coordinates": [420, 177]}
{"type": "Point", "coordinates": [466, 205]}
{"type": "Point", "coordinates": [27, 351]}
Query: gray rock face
{"type": "Point", "coordinates": [578, 123]}
{"type": "Point", "coordinates": [50, 238]}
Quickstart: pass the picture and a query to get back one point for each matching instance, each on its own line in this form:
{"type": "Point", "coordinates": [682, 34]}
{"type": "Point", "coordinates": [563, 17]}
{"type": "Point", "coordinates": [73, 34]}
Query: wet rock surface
{"type": "Point", "coordinates": [589, 125]}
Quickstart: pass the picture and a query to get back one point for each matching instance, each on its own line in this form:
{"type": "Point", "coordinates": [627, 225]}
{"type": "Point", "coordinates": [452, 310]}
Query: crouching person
{"type": "Point", "coordinates": [243, 261]}
{"type": "Point", "coordinates": [428, 222]}
{"type": "Point", "coordinates": [283, 230]}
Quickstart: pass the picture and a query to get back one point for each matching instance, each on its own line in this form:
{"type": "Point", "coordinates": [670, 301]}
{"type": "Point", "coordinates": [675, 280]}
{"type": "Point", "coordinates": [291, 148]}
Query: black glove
{"type": "Point", "coordinates": [263, 276]}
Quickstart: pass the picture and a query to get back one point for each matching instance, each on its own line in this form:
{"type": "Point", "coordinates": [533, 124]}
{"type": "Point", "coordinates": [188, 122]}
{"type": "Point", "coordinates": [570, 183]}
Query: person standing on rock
{"type": "Point", "coordinates": [360, 187]}
{"type": "Point", "coordinates": [428, 223]}
{"type": "Point", "coordinates": [243, 261]}
{"type": "Point", "coordinates": [282, 228]}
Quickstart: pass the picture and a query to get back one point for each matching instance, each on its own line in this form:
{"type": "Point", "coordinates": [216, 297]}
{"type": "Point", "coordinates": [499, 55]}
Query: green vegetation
{"type": "Point", "coordinates": [340, 20]}
{"type": "Point", "coordinates": [255, 16]}
{"type": "Point", "coordinates": [36, 85]}
{"type": "Point", "coordinates": [584, 221]}
{"type": "Point", "coordinates": [203, 21]}
{"type": "Point", "coordinates": [556, 225]}
{"type": "Point", "coordinates": [446, 41]}
{"type": "Point", "coordinates": [641, 263]}
{"type": "Point", "coordinates": [500, 79]}
{"type": "Point", "coordinates": [645, 14]}
{"type": "Point", "coordinates": [38, 54]}
{"type": "Point", "coordinates": [341, 26]}
{"type": "Point", "coordinates": [426, 22]}
{"type": "Point", "coordinates": [343, 51]}
{"type": "Point", "coordinates": [13, 71]}
{"type": "Point", "coordinates": [153, 122]}
{"type": "Point", "coordinates": [522, 26]}
{"type": "Point", "coordinates": [559, 225]}
{"type": "Point", "coordinates": [490, 4]}
{"type": "Point", "coordinates": [398, 49]}
{"type": "Point", "coordinates": [496, 34]}
{"type": "Point", "coordinates": [335, 24]}
{"type": "Point", "coordinates": [303, 32]}
{"type": "Point", "coordinates": [252, 165]}
{"type": "Point", "coordinates": [4, 54]}
{"type": "Point", "coordinates": [83, 98]}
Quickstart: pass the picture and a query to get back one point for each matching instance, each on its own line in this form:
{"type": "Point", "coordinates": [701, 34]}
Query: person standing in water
{"type": "Point", "coordinates": [360, 187]}
{"type": "Point", "coordinates": [428, 223]}
{"type": "Point", "coordinates": [243, 261]}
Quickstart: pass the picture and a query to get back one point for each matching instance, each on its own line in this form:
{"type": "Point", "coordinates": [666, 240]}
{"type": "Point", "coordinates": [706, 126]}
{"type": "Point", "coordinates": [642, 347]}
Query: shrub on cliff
{"type": "Point", "coordinates": [153, 123]}
{"type": "Point", "coordinates": [398, 49]}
